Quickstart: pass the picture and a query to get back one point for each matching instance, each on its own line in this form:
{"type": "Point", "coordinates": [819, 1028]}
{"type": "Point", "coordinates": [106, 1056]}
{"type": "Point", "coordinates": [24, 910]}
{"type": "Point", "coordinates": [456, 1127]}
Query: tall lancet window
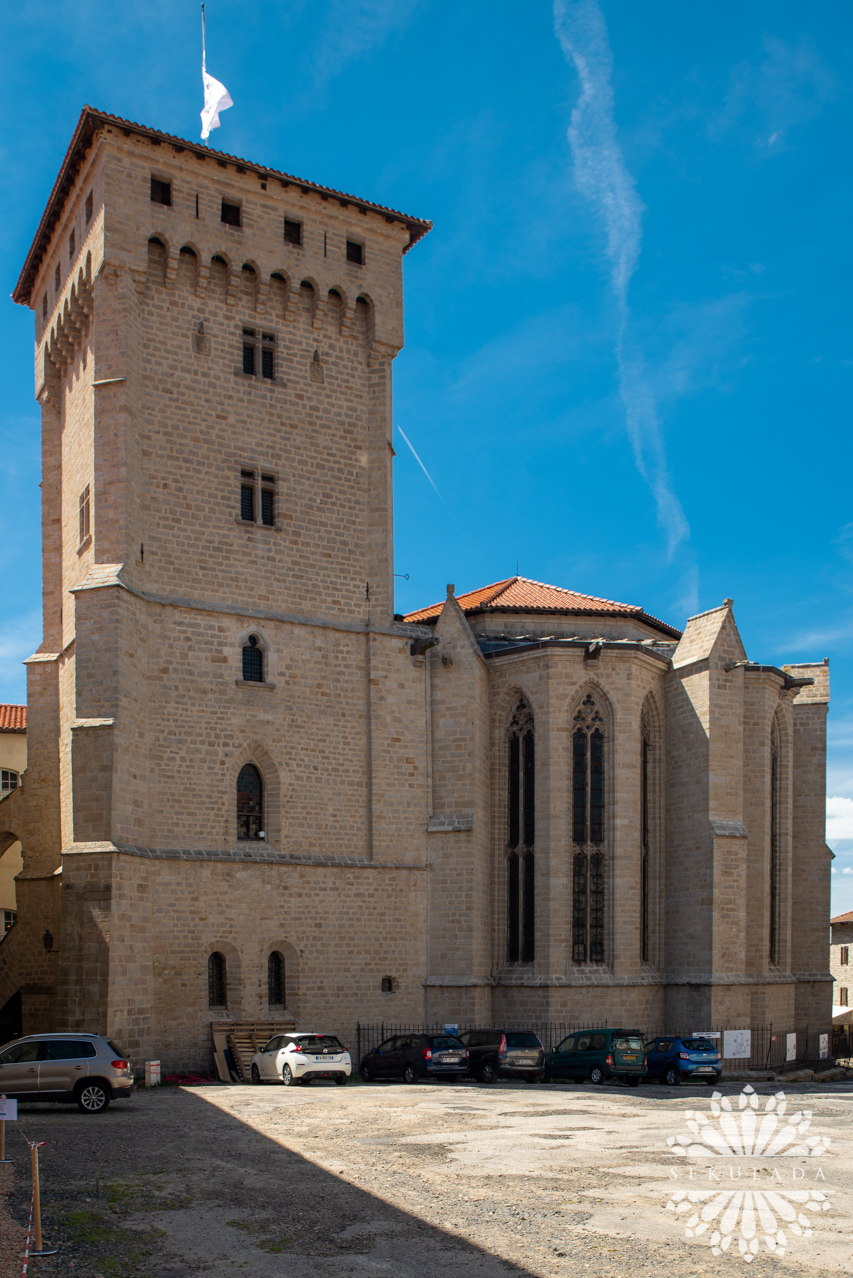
{"type": "Point", "coordinates": [588, 833]}
{"type": "Point", "coordinates": [646, 849]}
{"type": "Point", "coordinates": [775, 850]}
{"type": "Point", "coordinates": [521, 834]}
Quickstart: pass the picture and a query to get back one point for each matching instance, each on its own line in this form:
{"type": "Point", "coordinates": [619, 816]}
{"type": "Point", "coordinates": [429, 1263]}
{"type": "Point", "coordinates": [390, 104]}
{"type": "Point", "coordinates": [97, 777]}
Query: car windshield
{"type": "Point", "coordinates": [567, 1044]}
{"type": "Point", "coordinates": [522, 1040]}
{"type": "Point", "coordinates": [443, 1044]}
{"type": "Point", "coordinates": [627, 1043]}
{"type": "Point", "coordinates": [698, 1044]}
{"type": "Point", "coordinates": [320, 1043]}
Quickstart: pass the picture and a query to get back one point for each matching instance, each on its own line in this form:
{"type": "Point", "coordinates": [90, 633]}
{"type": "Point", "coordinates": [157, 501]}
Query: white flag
{"type": "Point", "coordinates": [216, 99]}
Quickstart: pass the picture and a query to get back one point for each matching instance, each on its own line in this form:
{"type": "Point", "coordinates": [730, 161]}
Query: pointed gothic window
{"type": "Point", "coordinates": [588, 833]}
{"type": "Point", "coordinates": [775, 851]}
{"type": "Point", "coordinates": [250, 803]}
{"type": "Point", "coordinates": [521, 832]}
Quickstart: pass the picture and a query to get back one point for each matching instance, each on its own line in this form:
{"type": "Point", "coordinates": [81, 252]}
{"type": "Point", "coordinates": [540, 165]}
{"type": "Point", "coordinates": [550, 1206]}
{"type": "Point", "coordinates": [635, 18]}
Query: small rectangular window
{"type": "Point", "coordinates": [72, 245]}
{"type": "Point", "coordinates": [388, 985]}
{"type": "Point", "coordinates": [247, 502]}
{"type": "Point", "coordinates": [84, 510]}
{"type": "Point", "coordinates": [267, 362]}
{"type": "Point", "coordinates": [88, 208]}
{"type": "Point", "coordinates": [248, 358]}
{"type": "Point", "coordinates": [9, 917]}
{"type": "Point", "coordinates": [161, 192]}
{"type": "Point", "coordinates": [845, 955]}
{"type": "Point", "coordinates": [842, 996]}
{"type": "Point", "coordinates": [355, 252]}
{"type": "Point", "coordinates": [292, 232]}
{"type": "Point", "coordinates": [8, 780]}
{"type": "Point", "coordinates": [230, 213]}
{"type": "Point", "coordinates": [268, 507]}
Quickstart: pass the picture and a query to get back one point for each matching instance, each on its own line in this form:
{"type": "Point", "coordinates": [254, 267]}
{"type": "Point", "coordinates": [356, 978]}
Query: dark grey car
{"type": "Point", "coordinates": [84, 1068]}
{"type": "Point", "coordinates": [508, 1053]}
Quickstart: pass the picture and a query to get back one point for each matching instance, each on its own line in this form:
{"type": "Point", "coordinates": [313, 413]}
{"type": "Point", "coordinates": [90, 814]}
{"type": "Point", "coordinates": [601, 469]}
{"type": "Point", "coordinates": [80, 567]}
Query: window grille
{"type": "Point", "coordinates": [9, 780]}
{"type": "Point", "coordinates": [588, 861]}
{"type": "Point", "coordinates": [217, 988]}
{"type": "Point", "coordinates": [161, 192]}
{"type": "Point", "coordinates": [259, 353]}
{"type": "Point", "coordinates": [84, 513]}
{"type": "Point", "coordinates": [845, 955]}
{"type": "Point", "coordinates": [275, 979]}
{"type": "Point", "coordinates": [250, 803]}
{"type": "Point", "coordinates": [253, 660]}
{"type": "Point", "coordinates": [230, 213]}
{"type": "Point", "coordinates": [267, 507]}
{"type": "Point", "coordinates": [292, 232]}
{"type": "Point", "coordinates": [248, 357]}
{"type": "Point", "coordinates": [89, 205]}
{"type": "Point", "coordinates": [388, 985]}
{"type": "Point", "coordinates": [355, 252]}
{"type": "Point", "coordinates": [521, 830]}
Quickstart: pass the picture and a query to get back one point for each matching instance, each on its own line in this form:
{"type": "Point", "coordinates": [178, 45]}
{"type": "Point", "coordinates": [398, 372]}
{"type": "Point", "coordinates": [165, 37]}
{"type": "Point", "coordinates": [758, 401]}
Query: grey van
{"type": "Point", "coordinates": [598, 1054]}
{"type": "Point", "coordinates": [84, 1068]}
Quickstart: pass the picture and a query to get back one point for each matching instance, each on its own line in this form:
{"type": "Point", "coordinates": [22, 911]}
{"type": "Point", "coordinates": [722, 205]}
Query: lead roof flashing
{"type": "Point", "coordinates": [89, 124]}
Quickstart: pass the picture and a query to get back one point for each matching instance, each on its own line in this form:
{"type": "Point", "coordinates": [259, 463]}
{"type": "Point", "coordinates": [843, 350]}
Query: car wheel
{"type": "Point", "coordinates": [256, 1075]}
{"type": "Point", "coordinates": [530, 1078]}
{"type": "Point", "coordinates": [487, 1072]}
{"type": "Point", "coordinates": [341, 1079]}
{"type": "Point", "coordinates": [287, 1076]}
{"type": "Point", "coordinates": [634, 1080]}
{"type": "Point", "coordinates": [672, 1077]}
{"type": "Point", "coordinates": [546, 1076]}
{"type": "Point", "coordinates": [410, 1074]}
{"type": "Point", "coordinates": [596, 1074]}
{"type": "Point", "coordinates": [93, 1098]}
{"type": "Point", "coordinates": [366, 1073]}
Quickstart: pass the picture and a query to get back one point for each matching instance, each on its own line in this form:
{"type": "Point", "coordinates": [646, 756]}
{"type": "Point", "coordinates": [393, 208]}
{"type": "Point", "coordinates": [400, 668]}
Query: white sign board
{"type": "Point", "coordinates": [8, 1109]}
{"type": "Point", "coordinates": [451, 1029]}
{"type": "Point", "coordinates": [152, 1073]}
{"type": "Point", "coordinates": [706, 1033]}
{"type": "Point", "coordinates": [824, 1046]}
{"type": "Point", "coordinates": [737, 1045]}
{"type": "Point", "coordinates": [791, 1051]}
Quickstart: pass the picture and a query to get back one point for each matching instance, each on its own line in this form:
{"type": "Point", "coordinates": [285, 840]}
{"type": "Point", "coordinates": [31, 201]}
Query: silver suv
{"type": "Point", "coordinates": [84, 1068]}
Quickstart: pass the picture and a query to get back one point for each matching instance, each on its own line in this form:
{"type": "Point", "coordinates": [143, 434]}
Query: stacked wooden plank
{"type": "Point", "coordinates": [242, 1039]}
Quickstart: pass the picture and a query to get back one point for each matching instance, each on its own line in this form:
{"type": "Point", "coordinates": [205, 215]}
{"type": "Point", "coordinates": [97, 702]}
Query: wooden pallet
{"type": "Point", "coordinates": [245, 1038]}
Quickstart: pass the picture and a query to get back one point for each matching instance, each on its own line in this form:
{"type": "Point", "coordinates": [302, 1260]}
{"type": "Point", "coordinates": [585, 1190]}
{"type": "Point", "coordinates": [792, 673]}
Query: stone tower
{"type": "Point", "coordinates": [214, 347]}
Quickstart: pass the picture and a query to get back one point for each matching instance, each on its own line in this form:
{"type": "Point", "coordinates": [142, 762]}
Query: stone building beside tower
{"type": "Point", "coordinates": [253, 791]}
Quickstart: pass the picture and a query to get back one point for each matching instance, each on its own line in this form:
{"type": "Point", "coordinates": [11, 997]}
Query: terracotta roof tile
{"type": "Point", "coordinates": [520, 594]}
{"type": "Point", "coordinates": [13, 718]}
{"type": "Point", "coordinates": [843, 918]}
{"type": "Point", "coordinates": [88, 124]}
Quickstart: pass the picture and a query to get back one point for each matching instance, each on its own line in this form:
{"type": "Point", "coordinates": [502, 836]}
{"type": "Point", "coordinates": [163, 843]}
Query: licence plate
{"type": "Point", "coordinates": [704, 1069]}
{"type": "Point", "coordinates": [451, 1060]}
{"type": "Point", "coordinates": [628, 1057]}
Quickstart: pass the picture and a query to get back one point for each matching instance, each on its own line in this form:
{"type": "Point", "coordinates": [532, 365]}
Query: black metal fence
{"type": "Point", "coordinates": [769, 1047]}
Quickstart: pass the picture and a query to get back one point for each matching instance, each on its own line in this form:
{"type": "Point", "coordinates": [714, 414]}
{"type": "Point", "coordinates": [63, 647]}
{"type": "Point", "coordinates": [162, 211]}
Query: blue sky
{"type": "Point", "coordinates": [628, 352]}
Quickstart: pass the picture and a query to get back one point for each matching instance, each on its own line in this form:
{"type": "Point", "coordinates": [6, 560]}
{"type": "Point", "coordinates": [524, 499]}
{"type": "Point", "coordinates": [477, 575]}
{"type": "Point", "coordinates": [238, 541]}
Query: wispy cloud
{"type": "Point", "coordinates": [602, 176]}
{"type": "Point", "coordinates": [353, 28]}
{"type": "Point", "coordinates": [839, 818]}
{"type": "Point", "coordinates": [790, 86]}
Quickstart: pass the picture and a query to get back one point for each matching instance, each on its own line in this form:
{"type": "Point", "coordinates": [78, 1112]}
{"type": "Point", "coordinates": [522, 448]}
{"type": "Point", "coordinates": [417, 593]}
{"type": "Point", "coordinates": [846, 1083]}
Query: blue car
{"type": "Point", "coordinates": [674, 1059]}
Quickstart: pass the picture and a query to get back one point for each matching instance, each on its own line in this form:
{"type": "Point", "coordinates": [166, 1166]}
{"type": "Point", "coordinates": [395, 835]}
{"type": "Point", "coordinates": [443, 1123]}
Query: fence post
{"type": "Point", "coordinates": [34, 1160]}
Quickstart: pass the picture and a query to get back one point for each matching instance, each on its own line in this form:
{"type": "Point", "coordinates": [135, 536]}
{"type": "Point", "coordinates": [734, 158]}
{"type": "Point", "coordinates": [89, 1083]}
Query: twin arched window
{"type": "Point", "coordinates": [588, 833]}
{"type": "Point", "coordinates": [521, 833]}
{"type": "Point", "coordinates": [250, 803]}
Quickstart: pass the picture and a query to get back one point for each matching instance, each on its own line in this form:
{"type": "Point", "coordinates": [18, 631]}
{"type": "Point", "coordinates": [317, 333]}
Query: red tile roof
{"type": "Point", "coordinates": [87, 126]}
{"type": "Point", "coordinates": [13, 718]}
{"type": "Point", "coordinates": [520, 594]}
{"type": "Point", "coordinates": [843, 918]}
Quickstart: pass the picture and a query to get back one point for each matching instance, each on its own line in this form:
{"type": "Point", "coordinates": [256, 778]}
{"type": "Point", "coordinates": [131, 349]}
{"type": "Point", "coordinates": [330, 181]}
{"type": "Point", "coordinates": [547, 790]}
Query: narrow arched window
{"type": "Point", "coordinates": [645, 870]}
{"type": "Point", "coordinates": [521, 834]}
{"type": "Point", "coordinates": [588, 833]}
{"type": "Point", "coordinates": [775, 850]}
{"type": "Point", "coordinates": [275, 979]}
{"type": "Point", "coordinates": [250, 803]}
{"type": "Point", "coordinates": [156, 260]}
{"type": "Point", "coordinates": [253, 660]}
{"type": "Point", "coordinates": [217, 989]}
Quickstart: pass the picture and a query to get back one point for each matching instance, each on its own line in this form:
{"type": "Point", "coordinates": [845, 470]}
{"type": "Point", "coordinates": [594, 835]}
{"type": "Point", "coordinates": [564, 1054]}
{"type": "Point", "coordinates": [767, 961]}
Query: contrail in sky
{"type": "Point", "coordinates": [603, 177]}
{"type": "Point", "coordinates": [423, 467]}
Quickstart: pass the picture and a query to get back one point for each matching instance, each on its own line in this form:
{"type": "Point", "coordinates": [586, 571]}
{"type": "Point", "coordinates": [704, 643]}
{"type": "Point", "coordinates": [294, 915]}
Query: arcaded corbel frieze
{"type": "Point", "coordinates": [262, 290]}
{"type": "Point", "coordinates": [202, 278]}
{"type": "Point", "coordinates": [321, 304]}
{"type": "Point", "coordinates": [348, 318]}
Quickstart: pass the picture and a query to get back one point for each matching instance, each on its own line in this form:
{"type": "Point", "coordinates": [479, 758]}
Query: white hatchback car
{"type": "Point", "coordinates": [300, 1058]}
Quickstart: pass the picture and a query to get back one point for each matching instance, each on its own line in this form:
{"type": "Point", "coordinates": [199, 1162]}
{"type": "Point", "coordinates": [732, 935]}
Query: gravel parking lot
{"type": "Point", "coordinates": [402, 1181]}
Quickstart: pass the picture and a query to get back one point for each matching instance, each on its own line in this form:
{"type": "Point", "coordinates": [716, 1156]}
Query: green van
{"type": "Point", "coordinates": [596, 1055]}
